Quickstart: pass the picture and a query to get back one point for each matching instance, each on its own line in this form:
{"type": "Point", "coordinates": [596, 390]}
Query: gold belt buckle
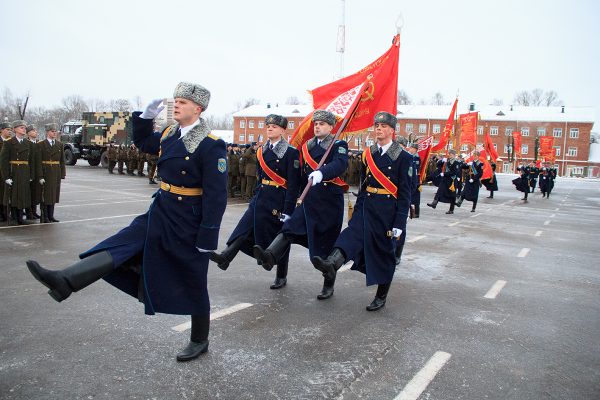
{"type": "Point", "coordinates": [167, 187]}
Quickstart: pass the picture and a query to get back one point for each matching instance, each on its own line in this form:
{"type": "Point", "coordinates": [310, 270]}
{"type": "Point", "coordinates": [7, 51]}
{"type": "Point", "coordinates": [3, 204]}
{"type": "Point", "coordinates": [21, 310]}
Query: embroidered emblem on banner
{"type": "Point", "coordinates": [222, 165]}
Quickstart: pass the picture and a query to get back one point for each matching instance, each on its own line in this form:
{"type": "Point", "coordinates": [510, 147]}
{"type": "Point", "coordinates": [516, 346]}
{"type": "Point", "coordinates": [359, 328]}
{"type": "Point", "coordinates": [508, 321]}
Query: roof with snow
{"type": "Point", "coordinates": [502, 113]}
{"type": "Point", "coordinates": [287, 110]}
{"type": "Point", "coordinates": [226, 135]}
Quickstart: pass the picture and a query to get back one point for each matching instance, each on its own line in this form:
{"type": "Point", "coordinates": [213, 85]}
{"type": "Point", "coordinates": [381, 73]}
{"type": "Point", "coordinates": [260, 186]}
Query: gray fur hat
{"type": "Point", "coordinates": [51, 127]}
{"type": "Point", "coordinates": [193, 92]}
{"type": "Point", "coordinates": [30, 128]}
{"type": "Point", "coordinates": [383, 117]}
{"type": "Point", "coordinates": [18, 122]}
{"type": "Point", "coordinates": [4, 125]}
{"type": "Point", "coordinates": [452, 151]}
{"type": "Point", "coordinates": [276, 120]}
{"type": "Point", "coordinates": [400, 139]}
{"type": "Point", "coordinates": [325, 116]}
{"type": "Point", "coordinates": [414, 145]}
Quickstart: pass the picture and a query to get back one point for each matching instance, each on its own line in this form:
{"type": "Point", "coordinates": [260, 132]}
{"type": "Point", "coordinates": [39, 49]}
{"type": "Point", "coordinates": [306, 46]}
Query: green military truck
{"type": "Point", "coordinates": [89, 137]}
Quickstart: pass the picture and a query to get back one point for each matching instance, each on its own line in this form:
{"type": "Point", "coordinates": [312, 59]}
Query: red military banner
{"type": "Point", "coordinates": [488, 145]}
{"type": "Point", "coordinates": [517, 144]}
{"type": "Point", "coordinates": [380, 94]}
{"type": "Point", "coordinates": [447, 129]}
{"type": "Point", "coordinates": [468, 124]}
{"type": "Point", "coordinates": [425, 147]}
{"type": "Point", "coordinates": [546, 146]}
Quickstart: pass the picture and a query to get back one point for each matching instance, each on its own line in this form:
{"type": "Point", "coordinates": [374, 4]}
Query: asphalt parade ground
{"type": "Point", "coordinates": [503, 303]}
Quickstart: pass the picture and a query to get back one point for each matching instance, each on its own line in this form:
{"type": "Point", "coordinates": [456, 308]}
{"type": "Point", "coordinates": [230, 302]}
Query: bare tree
{"type": "Point", "coordinates": [523, 98]}
{"type": "Point", "coordinates": [73, 106]}
{"type": "Point", "coordinates": [292, 100]}
{"type": "Point", "coordinates": [247, 103]}
{"type": "Point", "coordinates": [97, 105]}
{"type": "Point", "coordinates": [438, 99]}
{"type": "Point", "coordinates": [403, 98]}
{"type": "Point", "coordinates": [138, 103]}
{"type": "Point", "coordinates": [551, 99]}
{"type": "Point", "coordinates": [497, 102]}
{"type": "Point", "coordinates": [537, 98]}
{"type": "Point", "coordinates": [120, 105]}
{"type": "Point", "coordinates": [537, 95]}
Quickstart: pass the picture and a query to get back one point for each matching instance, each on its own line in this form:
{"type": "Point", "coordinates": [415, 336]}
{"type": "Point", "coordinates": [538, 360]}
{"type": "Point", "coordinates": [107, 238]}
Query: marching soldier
{"type": "Point", "coordinates": [415, 196]}
{"type": "Point", "coordinates": [533, 176]}
{"type": "Point", "coordinates": [491, 184]}
{"type": "Point", "coordinates": [522, 182]}
{"type": "Point", "coordinates": [5, 134]}
{"type": "Point", "coordinates": [122, 158]}
{"type": "Point", "coordinates": [152, 160]}
{"type": "Point", "coordinates": [16, 162]}
{"type": "Point", "coordinates": [446, 193]}
{"type": "Point", "coordinates": [162, 257]}
{"type": "Point", "coordinates": [274, 201]}
{"type": "Point", "coordinates": [378, 224]}
{"type": "Point", "coordinates": [50, 171]}
{"type": "Point", "coordinates": [141, 156]}
{"type": "Point", "coordinates": [34, 186]}
{"type": "Point", "coordinates": [132, 159]}
{"type": "Point", "coordinates": [317, 222]}
{"type": "Point", "coordinates": [112, 157]}
{"type": "Point", "coordinates": [250, 169]}
{"type": "Point", "coordinates": [472, 181]}
{"type": "Point", "coordinates": [547, 177]}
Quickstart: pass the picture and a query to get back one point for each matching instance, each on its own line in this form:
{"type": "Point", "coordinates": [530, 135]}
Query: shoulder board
{"type": "Point", "coordinates": [213, 137]}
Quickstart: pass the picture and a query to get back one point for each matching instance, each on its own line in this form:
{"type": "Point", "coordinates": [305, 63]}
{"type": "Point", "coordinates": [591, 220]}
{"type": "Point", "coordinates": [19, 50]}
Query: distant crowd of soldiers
{"type": "Point", "coordinates": [31, 172]}
{"type": "Point", "coordinates": [135, 160]}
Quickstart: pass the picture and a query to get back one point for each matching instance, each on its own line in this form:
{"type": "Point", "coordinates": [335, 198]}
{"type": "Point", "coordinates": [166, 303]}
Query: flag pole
{"type": "Point", "coordinates": [343, 125]}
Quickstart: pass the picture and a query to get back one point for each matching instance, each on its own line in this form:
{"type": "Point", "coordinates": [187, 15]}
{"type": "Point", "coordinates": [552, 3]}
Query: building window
{"type": "Point", "coordinates": [557, 150]}
{"type": "Point", "coordinates": [357, 141]}
{"type": "Point", "coordinates": [398, 127]}
{"type": "Point", "coordinates": [480, 130]}
{"type": "Point", "coordinates": [494, 130]}
{"type": "Point", "coordinates": [260, 138]}
{"type": "Point", "coordinates": [557, 132]}
{"type": "Point", "coordinates": [541, 131]}
{"type": "Point", "coordinates": [291, 125]}
{"type": "Point", "coordinates": [242, 123]}
{"type": "Point", "coordinates": [450, 145]}
{"type": "Point", "coordinates": [495, 147]}
{"type": "Point", "coordinates": [289, 138]}
{"type": "Point", "coordinates": [525, 131]}
{"type": "Point", "coordinates": [464, 147]}
{"type": "Point", "coordinates": [422, 128]}
{"type": "Point", "coordinates": [251, 138]}
{"type": "Point", "coordinates": [370, 129]}
{"type": "Point", "coordinates": [369, 142]}
{"type": "Point", "coordinates": [261, 124]}
{"type": "Point", "coordinates": [508, 131]}
{"type": "Point", "coordinates": [409, 128]}
{"type": "Point", "coordinates": [505, 149]}
{"type": "Point", "coordinates": [574, 133]}
{"type": "Point", "coordinates": [436, 128]}
{"type": "Point", "coordinates": [242, 138]}
{"type": "Point", "coordinates": [572, 151]}
{"type": "Point", "coordinates": [251, 124]}
{"type": "Point", "coordinates": [524, 149]}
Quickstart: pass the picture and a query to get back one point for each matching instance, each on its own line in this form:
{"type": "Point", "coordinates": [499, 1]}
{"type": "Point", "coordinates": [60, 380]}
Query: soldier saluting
{"type": "Point", "coordinates": [16, 163]}
{"type": "Point", "coordinates": [50, 170]}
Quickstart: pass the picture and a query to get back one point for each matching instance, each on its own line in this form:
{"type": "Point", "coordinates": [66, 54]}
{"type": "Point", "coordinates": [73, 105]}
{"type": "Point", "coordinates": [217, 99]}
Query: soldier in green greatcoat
{"type": "Point", "coordinates": [5, 134]}
{"type": "Point", "coordinates": [132, 159]}
{"type": "Point", "coordinates": [122, 158]}
{"type": "Point", "coordinates": [141, 156]}
{"type": "Point", "coordinates": [16, 164]}
{"type": "Point", "coordinates": [50, 169]}
{"type": "Point", "coordinates": [31, 212]}
{"type": "Point", "coordinates": [152, 160]}
{"type": "Point", "coordinates": [112, 157]}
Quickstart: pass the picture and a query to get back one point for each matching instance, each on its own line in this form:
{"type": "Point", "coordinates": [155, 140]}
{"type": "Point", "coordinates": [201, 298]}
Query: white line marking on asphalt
{"type": "Point", "coordinates": [423, 378]}
{"type": "Point", "coordinates": [524, 252]}
{"type": "Point", "coordinates": [538, 233]}
{"type": "Point", "coordinates": [70, 222]}
{"type": "Point", "coordinates": [547, 222]}
{"type": "Point", "coordinates": [553, 215]}
{"type": "Point", "coordinates": [416, 238]}
{"type": "Point", "coordinates": [495, 289]}
{"type": "Point", "coordinates": [475, 215]}
{"type": "Point", "coordinates": [102, 204]}
{"type": "Point", "coordinates": [454, 223]}
{"type": "Point", "coordinates": [216, 315]}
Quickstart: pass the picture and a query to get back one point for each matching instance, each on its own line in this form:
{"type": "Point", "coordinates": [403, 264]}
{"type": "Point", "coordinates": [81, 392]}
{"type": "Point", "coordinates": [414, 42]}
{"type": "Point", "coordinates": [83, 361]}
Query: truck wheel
{"type": "Point", "coordinates": [104, 159]}
{"type": "Point", "coordinates": [94, 162]}
{"type": "Point", "coordinates": [70, 158]}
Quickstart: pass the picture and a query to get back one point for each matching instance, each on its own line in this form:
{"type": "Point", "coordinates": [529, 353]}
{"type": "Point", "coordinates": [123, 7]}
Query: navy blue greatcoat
{"type": "Point", "coordinates": [283, 159]}
{"type": "Point", "coordinates": [365, 239]}
{"type": "Point", "coordinates": [156, 257]}
{"type": "Point", "coordinates": [415, 197]}
{"type": "Point", "coordinates": [475, 172]}
{"type": "Point", "coordinates": [317, 222]}
{"type": "Point", "coordinates": [451, 170]}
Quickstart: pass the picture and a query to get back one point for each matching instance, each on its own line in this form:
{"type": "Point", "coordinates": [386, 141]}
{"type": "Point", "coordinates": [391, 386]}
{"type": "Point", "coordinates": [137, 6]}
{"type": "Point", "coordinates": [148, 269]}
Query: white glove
{"type": "Point", "coordinates": [42, 181]}
{"type": "Point", "coordinates": [396, 232]}
{"type": "Point", "coordinates": [204, 251]}
{"type": "Point", "coordinates": [470, 180]}
{"type": "Point", "coordinates": [470, 163]}
{"type": "Point", "coordinates": [284, 217]}
{"type": "Point", "coordinates": [8, 182]}
{"type": "Point", "coordinates": [442, 174]}
{"type": "Point", "coordinates": [153, 109]}
{"type": "Point", "coordinates": [444, 159]}
{"type": "Point", "coordinates": [317, 177]}
{"type": "Point", "coordinates": [458, 179]}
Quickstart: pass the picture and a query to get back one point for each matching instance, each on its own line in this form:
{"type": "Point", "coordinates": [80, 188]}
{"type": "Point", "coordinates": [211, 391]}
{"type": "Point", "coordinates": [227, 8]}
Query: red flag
{"type": "Point", "coordinates": [489, 147]}
{"type": "Point", "coordinates": [468, 123]}
{"type": "Point", "coordinates": [381, 77]}
{"type": "Point", "coordinates": [425, 146]}
{"type": "Point", "coordinates": [546, 146]}
{"type": "Point", "coordinates": [517, 144]}
{"type": "Point", "coordinates": [488, 172]}
{"type": "Point", "coordinates": [447, 129]}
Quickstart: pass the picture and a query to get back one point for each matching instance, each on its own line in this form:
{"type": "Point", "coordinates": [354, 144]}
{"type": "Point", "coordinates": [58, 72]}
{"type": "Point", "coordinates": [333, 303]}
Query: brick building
{"type": "Point", "coordinates": [248, 124]}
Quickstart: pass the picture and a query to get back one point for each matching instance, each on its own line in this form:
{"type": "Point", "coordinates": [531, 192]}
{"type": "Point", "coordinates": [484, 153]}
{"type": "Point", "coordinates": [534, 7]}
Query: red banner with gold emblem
{"type": "Point", "coordinates": [447, 129]}
{"type": "Point", "coordinates": [546, 146]}
{"type": "Point", "coordinates": [468, 125]}
{"type": "Point", "coordinates": [517, 143]}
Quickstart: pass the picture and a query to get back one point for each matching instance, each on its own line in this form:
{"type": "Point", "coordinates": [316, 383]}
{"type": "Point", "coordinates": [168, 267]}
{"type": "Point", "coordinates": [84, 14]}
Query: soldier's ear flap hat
{"type": "Point", "coordinates": [414, 146]}
{"type": "Point", "coordinates": [325, 116]}
{"type": "Point", "coordinates": [18, 123]}
{"type": "Point", "coordinates": [452, 151]}
{"type": "Point", "coordinates": [54, 127]}
{"type": "Point", "coordinates": [30, 128]}
{"type": "Point", "coordinates": [401, 140]}
{"type": "Point", "coordinates": [4, 125]}
{"type": "Point", "coordinates": [277, 120]}
{"type": "Point", "coordinates": [383, 117]}
{"type": "Point", "coordinates": [193, 92]}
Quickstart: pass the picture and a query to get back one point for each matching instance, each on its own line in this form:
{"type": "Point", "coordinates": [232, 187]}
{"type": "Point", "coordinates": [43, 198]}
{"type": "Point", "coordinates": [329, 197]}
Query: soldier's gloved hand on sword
{"type": "Point", "coordinates": [284, 217]}
{"type": "Point", "coordinates": [317, 177]}
{"type": "Point", "coordinates": [396, 232]}
{"type": "Point", "coordinates": [153, 109]}
{"type": "Point", "coordinates": [9, 182]}
{"type": "Point", "coordinates": [42, 181]}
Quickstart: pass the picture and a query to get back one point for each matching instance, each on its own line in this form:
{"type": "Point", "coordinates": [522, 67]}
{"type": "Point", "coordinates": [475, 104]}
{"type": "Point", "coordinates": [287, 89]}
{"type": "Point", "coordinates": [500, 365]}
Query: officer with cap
{"type": "Point", "coordinates": [162, 257]}
{"type": "Point", "coordinates": [31, 212]}
{"type": "Point", "coordinates": [474, 172]}
{"type": "Point", "coordinates": [378, 224]}
{"type": "Point", "coordinates": [278, 175]}
{"type": "Point", "coordinates": [16, 163]}
{"type": "Point", "coordinates": [415, 197]}
{"type": "Point", "coordinates": [317, 222]}
{"type": "Point", "coordinates": [250, 160]}
{"type": "Point", "coordinates": [446, 193]}
{"type": "Point", "coordinates": [50, 170]}
{"type": "Point", "coordinates": [5, 134]}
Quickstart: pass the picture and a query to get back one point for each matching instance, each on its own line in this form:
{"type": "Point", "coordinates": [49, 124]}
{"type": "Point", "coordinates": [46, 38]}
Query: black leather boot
{"type": "Point", "coordinates": [398, 253]}
{"type": "Point", "coordinates": [417, 210]}
{"type": "Point", "coordinates": [380, 297]}
{"type": "Point", "coordinates": [29, 214]}
{"type": "Point", "coordinates": [281, 277]}
{"type": "Point", "coordinates": [34, 212]}
{"type": "Point", "coordinates": [74, 278]}
{"type": "Point", "coordinates": [331, 264]}
{"type": "Point", "coordinates": [228, 254]}
{"type": "Point", "coordinates": [474, 206]}
{"type": "Point", "coordinates": [327, 290]}
{"type": "Point", "coordinates": [2, 214]}
{"type": "Point", "coordinates": [198, 339]}
{"type": "Point", "coordinates": [433, 204]}
{"type": "Point", "coordinates": [18, 216]}
{"type": "Point", "coordinates": [51, 213]}
{"type": "Point", "coordinates": [451, 210]}
{"type": "Point", "coordinates": [459, 202]}
{"type": "Point", "coordinates": [271, 255]}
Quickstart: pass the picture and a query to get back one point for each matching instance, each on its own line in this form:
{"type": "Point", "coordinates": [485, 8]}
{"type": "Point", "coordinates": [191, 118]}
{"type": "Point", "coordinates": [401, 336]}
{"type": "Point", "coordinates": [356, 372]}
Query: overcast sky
{"type": "Point", "coordinates": [271, 50]}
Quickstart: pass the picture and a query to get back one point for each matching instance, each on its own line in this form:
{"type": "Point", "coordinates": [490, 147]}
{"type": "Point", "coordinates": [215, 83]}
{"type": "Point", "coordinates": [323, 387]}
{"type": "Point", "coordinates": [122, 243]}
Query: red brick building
{"type": "Point", "coordinates": [248, 124]}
